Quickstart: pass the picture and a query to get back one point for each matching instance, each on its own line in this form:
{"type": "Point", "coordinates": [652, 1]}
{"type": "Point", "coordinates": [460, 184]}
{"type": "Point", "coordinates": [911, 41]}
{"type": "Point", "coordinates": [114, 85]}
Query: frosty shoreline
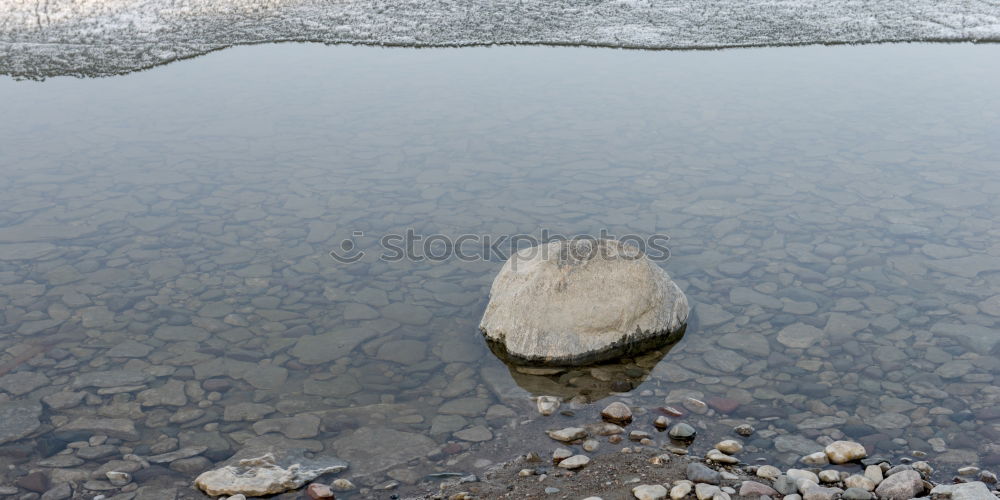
{"type": "Point", "coordinates": [106, 37]}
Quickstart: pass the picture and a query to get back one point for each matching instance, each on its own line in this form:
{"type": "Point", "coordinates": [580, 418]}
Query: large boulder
{"type": "Point", "coordinates": [581, 301]}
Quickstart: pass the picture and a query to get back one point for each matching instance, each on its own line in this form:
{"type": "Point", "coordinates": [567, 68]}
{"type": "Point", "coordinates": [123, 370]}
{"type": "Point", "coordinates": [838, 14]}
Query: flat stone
{"type": "Point", "coordinates": [372, 450]}
{"type": "Point", "coordinates": [110, 378]}
{"type": "Point", "coordinates": [170, 333]}
{"type": "Point", "coordinates": [25, 251]}
{"type": "Point", "coordinates": [129, 349]}
{"type": "Point", "coordinates": [475, 434]}
{"type": "Point", "coordinates": [249, 412]}
{"type": "Point", "coordinates": [302, 426]}
{"type": "Point", "coordinates": [120, 428]}
{"type": "Point", "coordinates": [568, 434]}
{"type": "Point", "coordinates": [23, 382]}
{"type": "Point", "coordinates": [407, 314]}
{"type": "Point", "coordinates": [699, 473]}
{"type": "Point", "coordinates": [321, 349]}
{"type": "Point", "coordinates": [266, 377]}
{"type": "Point", "coordinates": [973, 337]}
{"type": "Point", "coordinates": [467, 407]}
{"type": "Point", "coordinates": [575, 462]}
{"type": "Point", "coordinates": [976, 490]}
{"type": "Point", "coordinates": [170, 393]}
{"type": "Point", "coordinates": [797, 444]}
{"type": "Point", "coordinates": [748, 342]}
{"type": "Point", "coordinates": [799, 336]}
{"type": "Point", "coordinates": [748, 296]}
{"type": "Point", "coordinates": [991, 306]}
{"type": "Point", "coordinates": [186, 452]}
{"type": "Point", "coordinates": [404, 352]}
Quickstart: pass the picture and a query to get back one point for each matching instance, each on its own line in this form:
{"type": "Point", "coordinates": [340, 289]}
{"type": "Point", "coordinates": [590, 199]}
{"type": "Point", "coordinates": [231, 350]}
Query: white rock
{"type": "Point", "coordinates": [547, 405]}
{"type": "Point", "coordinates": [874, 473]}
{"type": "Point", "coordinates": [568, 434]}
{"type": "Point", "coordinates": [720, 457]}
{"type": "Point", "coordinates": [818, 458]}
{"type": "Point", "coordinates": [841, 452]}
{"type": "Point", "coordinates": [857, 481]}
{"type": "Point", "coordinates": [575, 462]}
{"type": "Point", "coordinates": [729, 446]}
{"type": "Point", "coordinates": [797, 474]}
{"type": "Point", "coordinates": [581, 301]}
{"type": "Point", "coordinates": [704, 491]}
{"type": "Point", "coordinates": [768, 472]}
{"type": "Point", "coordinates": [260, 476]}
{"type": "Point", "coordinates": [649, 492]}
{"type": "Point", "coordinates": [680, 491]}
{"type": "Point", "coordinates": [829, 476]}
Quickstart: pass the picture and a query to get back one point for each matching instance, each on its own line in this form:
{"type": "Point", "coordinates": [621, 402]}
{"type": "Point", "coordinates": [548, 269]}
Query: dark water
{"type": "Point", "coordinates": [164, 244]}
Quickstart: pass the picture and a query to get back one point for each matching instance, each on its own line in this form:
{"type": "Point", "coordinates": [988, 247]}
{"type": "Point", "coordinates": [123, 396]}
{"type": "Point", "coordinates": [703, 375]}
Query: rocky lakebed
{"type": "Point", "coordinates": [169, 305]}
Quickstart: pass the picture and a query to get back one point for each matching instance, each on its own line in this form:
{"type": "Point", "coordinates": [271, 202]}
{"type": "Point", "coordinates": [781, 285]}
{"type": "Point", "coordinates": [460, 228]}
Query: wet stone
{"type": "Point", "coordinates": [617, 413]}
{"type": "Point", "coordinates": [18, 419]}
{"type": "Point", "coordinates": [682, 432]}
{"type": "Point", "coordinates": [22, 382]}
{"type": "Point", "coordinates": [699, 473]}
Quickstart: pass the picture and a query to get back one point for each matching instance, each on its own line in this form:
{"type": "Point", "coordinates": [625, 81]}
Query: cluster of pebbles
{"type": "Point", "coordinates": [841, 471]}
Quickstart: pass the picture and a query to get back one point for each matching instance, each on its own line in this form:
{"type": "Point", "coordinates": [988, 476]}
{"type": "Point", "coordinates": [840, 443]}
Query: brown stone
{"type": "Point", "coordinates": [36, 481]}
{"type": "Point", "coordinates": [317, 491]}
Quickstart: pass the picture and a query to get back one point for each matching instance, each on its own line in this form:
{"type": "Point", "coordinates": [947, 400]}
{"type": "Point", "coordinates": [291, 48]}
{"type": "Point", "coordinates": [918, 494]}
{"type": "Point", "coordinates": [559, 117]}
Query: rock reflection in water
{"type": "Point", "coordinates": [588, 383]}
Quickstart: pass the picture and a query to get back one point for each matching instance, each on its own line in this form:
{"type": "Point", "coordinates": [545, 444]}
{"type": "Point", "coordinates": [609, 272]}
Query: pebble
{"type": "Point", "coordinates": [699, 473]}
{"type": "Point", "coordinates": [547, 405]}
{"type": "Point", "coordinates": [856, 494]}
{"type": "Point", "coordinates": [661, 422]}
{"type": "Point", "coordinates": [568, 434]}
{"type": "Point", "coordinates": [902, 485]}
{"type": "Point", "coordinates": [754, 489]}
{"type": "Point", "coordinates": [744, 430]}
{"type": "Point", "coordinates": [821, 493]}
{"type": "Point", "coordinates": [829, 476]}
{"type": "Point", "coordinates": [118, 478]}
{"type": "Point", "coordinates": [715, 455]}
{"type": "Point", "coordinates": [704, 491]}
{"type": "Point", "coordinates": [842, 452]}
{"type": "Point", "coordinates": [617, 413]}
{"type": "Point", "coordinates": [638, 435]}
{"type": "Point", "coordinates": [818, 458]}
{"type": "Point", "coordinates": [729, 446]}
{"type": "Point", "coordinates": [682, 432]}
{"type": "Point", "coordinates": [561, 454]}
{"type": "Point", "coordinates": [342, 485]}
{"type": "Point", "coordinates": [591, 445]}
{"type": "Point", "coordinates": [317, 491]}
{"type": "Point", "coordinates": [575, 462]}
{"type": "Point", "coordinates": [874, 473]}
{"type": "Point", "coordinates": [680, 490]}
{"type": "Point", "coordinates": [649, 492]}
{"type": "Point", "coordinates": [862, 482]}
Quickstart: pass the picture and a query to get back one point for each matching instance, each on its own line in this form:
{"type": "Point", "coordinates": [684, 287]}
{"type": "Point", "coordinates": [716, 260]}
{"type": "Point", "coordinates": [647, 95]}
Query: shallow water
{"type": "Point", "coordinates": [164, 244]}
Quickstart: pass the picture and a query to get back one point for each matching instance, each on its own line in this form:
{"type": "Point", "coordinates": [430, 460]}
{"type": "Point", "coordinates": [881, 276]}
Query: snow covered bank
{"type": "Point", "coordinates": [40, 38]}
